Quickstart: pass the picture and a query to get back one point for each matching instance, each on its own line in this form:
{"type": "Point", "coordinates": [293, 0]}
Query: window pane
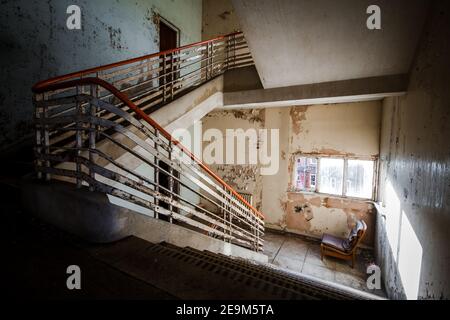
{"type": "Point", "coordinates": [305, 173]}
{"type": "Point", "coordinates": [331, 175]}
{"type": "Point", "coordinates": [360, 178]}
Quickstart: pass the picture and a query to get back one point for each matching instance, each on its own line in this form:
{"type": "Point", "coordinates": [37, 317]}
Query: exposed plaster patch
{"type": "Point", "coordinates": [300, 209]}
{"type": "Point", "coordinates": [298, 114]}
{"type": "Point", "coordinates": [252, 115]}
{"type": "Point", "coordinates": [329, 152]}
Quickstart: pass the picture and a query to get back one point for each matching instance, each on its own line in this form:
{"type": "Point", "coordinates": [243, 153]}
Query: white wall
{"type": "Point", "coordinates": [412, 241]}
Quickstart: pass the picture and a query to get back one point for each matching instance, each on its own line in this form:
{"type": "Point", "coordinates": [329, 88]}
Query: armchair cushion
{"type": "Point", "coordinates": [345, 245]}
{"type": "Point", "coordinates": [332, 241]}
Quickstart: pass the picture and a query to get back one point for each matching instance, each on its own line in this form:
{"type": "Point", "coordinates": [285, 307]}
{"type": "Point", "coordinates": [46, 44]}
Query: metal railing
{"type": "Point", "coordinates": [93, 129]}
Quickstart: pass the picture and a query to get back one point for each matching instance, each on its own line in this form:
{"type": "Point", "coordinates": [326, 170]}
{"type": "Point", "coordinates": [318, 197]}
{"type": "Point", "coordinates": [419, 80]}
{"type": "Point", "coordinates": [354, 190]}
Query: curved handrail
{"type": "Point", "coordinates": [124, 99]}
{"type": "Point", "coordinates": [44, 83]}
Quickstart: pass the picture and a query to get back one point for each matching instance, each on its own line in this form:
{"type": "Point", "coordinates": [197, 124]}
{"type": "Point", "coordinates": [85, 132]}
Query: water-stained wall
{"type": "Point", "coordinates": [413, 236]}
{"type": "Point", "coordinates": [36, 44]}
{"type": "Point", "coordinates": [218, 18]}
{"type": "Point", "coordinates": [342, 129]}
{"type": "Point", "coordinates": [348, 129]}
{"type": "Point", "coordinates": [244, 178]}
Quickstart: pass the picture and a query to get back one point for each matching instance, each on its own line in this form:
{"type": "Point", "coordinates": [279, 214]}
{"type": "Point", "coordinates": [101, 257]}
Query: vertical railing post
{"type": "Point", "coordinates": [172, 72]}
{"type": "Point", "coordinates": [207, 62]}
{"type": "Point", "coordinates": [212, 59]}
{"type": "Point", "coordinates": [92, 133]}
{"type": "Point", "coordinates": [230, 213]}
{"type": "Point", "coordinates": [78, 137]}
{"type": "Point", "coordinates": [256, 228]}
{"type": "Point", "coordinates": [156, 200]}
{"type": "Point", "coordinates": [46, 139]}
{"type": "Point", "coordinates": [234, 50]}
{"type": "Point", "coordinates": [227, 48]}
{"type": "Point", "coordinates": [97, 96]}
{"type": "Point", "coordinates": [38, 132]}
{"type": "Point", "coordinates": [164, 78]}
{"type": "Point", "coordinates": [258, 234]}
{"type": "Point", "coordinates": [171, 182]}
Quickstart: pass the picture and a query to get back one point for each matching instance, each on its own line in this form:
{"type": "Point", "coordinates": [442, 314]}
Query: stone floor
{"type": "Point", "coordinates": [301, 255]}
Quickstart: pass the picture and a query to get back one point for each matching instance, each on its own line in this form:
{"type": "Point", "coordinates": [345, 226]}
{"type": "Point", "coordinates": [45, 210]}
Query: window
{"type": "Point", "coordinates": [359, 178]}
{"type": "Point", "coordinates": [306, 173]}
{"type": "Point", "coordinates": [337, 176]}
{"type": "Point", "coordinates": [331, 175]}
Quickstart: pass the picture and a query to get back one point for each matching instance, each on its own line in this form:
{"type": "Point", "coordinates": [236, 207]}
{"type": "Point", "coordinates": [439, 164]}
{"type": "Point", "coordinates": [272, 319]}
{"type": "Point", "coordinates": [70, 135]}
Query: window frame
{"type": "Point", "coordinates": [343, 194]}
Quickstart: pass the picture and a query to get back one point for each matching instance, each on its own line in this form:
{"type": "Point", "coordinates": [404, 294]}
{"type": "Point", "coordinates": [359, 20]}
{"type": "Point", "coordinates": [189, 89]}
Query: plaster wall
{"type": "Point", "coordinates": [36, 44]}
{"type": "Point", "coordinates": [219, 18]}
{"type": "Point", "coordinates": [350, 129]}
{"type": "Point", "coordinates": [304, 42]}
{"type": "Point", "coordinates": [412, 240]}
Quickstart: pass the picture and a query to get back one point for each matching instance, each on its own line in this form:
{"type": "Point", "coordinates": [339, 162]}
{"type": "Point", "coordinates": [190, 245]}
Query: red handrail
{"type": "Point", "coordinates": [44, 83]}
{"type": "Point", "coordinates": [124, 99]}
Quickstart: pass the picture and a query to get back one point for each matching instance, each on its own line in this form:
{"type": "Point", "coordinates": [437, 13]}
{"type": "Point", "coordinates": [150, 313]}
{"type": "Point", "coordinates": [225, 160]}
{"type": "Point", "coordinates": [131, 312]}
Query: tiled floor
{"type": "Point", "coordinates": [301, 255]}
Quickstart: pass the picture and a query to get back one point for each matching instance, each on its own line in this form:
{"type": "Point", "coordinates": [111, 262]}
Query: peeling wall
{"type": "Point", "coordinates": [218, 18]}
{"type": "Point", "coordinates": [244, 178]}
{"type": "Point", "coordinates": [35, 44]}
{"type": "Point", "coordinates": [350, 129]}
{"type": "Point", "coordinates": [313, 215]}
{"type": "Point", "coordinates": [347, 129]}
{"type": "Point", "coordinates": [412, 240]}
{"type": "Point", "coordinates": [341, 129]}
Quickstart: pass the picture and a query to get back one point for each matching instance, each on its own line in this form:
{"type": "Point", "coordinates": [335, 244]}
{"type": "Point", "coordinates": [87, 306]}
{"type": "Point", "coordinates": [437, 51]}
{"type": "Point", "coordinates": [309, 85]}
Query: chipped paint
{"type": "Point", "coordinates": [38, 45]}
{"type": "Point", "coordinates": [324, 130]}
{"type": "Point", "coordinates": [324, 214]}
{"type": "Point", "coordinates": [243, 178]}
{"type": "Point", "coordinates": [298, 114]}
{"type": "Point", "coordinates": [218, 17]}
{"type": "Point", "coordinates": [415, 176]}
{"type": "Point", "coordinates": [308, 214]}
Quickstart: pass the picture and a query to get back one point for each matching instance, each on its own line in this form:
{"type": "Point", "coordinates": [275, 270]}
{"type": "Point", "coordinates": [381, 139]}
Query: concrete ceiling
{"type": "Point", "coordinates": [295, 42]}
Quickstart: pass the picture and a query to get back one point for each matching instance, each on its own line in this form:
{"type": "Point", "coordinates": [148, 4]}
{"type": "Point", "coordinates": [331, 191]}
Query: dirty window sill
{"type": "Point", "coordinates": [331, 196]}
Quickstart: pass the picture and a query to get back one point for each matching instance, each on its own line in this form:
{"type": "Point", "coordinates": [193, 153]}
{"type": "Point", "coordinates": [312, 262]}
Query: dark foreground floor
{"type": "Point", "coordinates": [37, 257]}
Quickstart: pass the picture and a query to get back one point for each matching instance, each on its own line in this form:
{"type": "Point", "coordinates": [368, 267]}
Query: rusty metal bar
{"type": "Point", "coordinates": [75, 123]}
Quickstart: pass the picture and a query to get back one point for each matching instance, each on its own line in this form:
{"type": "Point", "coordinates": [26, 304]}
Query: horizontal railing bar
{"type": "Point", "coordinates": [183, 172]}
{"type": "Point", "coordinates": [132, 198]}
{"type": "Point", "coordinates": [42, 84]}
{"type": "Point", "coordinates": [150, 163]}
{"type": "Point", "coordinates": [64, 111]}
{"type": "Point", "coordinates": [125, 99]}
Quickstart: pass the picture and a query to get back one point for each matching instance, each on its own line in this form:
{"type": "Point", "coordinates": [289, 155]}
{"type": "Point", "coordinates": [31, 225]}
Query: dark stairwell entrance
{"type": "Point", "coordinates": [168, 39]}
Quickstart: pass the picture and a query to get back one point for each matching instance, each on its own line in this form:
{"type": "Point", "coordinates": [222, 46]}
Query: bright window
{"type": "Point", "coordinates": [331, 175]}
{"type": "Point", "coordinates": [327, 175]}
{"type": "Point", "coordinates": [359, 181]}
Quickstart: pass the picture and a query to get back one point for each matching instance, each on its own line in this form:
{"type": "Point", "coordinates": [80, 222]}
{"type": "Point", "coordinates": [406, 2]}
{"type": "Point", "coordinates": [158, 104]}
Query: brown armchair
{"type": "Point", "coordinates": [343, 248]}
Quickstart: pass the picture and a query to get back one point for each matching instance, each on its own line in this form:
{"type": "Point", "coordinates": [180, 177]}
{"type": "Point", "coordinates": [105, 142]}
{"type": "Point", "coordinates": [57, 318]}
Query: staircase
{"type": "Point", "coordinates": [86, 120]}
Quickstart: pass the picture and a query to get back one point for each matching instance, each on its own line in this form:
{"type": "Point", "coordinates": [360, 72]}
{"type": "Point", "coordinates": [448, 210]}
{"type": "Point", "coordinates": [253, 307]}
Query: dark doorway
{"type": "Point", "coordinates": [168, 39]}
{"type": "Point", "coordinates": [168, 36]}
